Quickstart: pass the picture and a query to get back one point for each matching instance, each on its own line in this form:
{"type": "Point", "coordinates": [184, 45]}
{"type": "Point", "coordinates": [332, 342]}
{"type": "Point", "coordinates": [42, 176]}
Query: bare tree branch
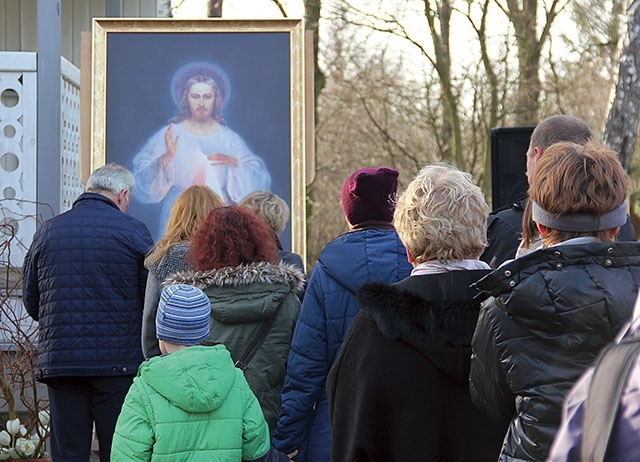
{"type": "Point", "coordinates": [281, 8]}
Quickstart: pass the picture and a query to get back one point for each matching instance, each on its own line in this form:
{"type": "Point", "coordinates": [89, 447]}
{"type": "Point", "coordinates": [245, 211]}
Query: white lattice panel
{"type": "Point", "coordinates": [17, 152]}
{"type": "Point", "coordinates": [70, 184]}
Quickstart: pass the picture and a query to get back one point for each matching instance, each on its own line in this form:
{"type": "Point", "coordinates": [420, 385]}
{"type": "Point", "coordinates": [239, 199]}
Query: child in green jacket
{"type": "Point", "coordinates": [191, 404]}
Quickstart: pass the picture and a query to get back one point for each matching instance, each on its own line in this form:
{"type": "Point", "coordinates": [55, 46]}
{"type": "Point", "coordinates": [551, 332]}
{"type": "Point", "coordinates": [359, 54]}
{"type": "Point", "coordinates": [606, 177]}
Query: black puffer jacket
{"type": "Point", "coordinates": [550, 314]}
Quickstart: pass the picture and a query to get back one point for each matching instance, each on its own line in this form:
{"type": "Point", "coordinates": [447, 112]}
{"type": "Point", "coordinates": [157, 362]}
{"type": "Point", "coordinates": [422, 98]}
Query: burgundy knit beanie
{"type": "Point", "coordinates": [368, 194]}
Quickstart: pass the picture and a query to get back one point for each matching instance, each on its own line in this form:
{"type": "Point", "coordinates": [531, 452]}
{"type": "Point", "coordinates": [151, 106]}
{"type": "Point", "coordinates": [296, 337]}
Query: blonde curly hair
{"type": "Point", "coordinates": [270, 207]}
{"type": "Point", "coordinates": [442, 215]}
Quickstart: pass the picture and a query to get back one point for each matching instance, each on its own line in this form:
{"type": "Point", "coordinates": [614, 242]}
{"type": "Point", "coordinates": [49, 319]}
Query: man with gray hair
{"type": "Point", "coordinates": [83, 281]}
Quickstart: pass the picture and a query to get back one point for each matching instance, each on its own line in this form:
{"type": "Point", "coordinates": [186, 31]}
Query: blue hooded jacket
{"type": "Point", "coordinates": [329, 306]}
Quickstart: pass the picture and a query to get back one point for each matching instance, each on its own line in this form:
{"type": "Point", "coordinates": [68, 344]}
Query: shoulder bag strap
{"type": "Point", "coordinates": [250, 352]}
{"type": "Point", "coordinates": [609, 379]}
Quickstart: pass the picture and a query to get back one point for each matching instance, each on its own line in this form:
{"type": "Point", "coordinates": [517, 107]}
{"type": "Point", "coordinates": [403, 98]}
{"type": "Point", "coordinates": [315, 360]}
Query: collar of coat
{"type": "Point", "coordinates": [508, 276]}
{"type": "Point", "coordinates": [425, 311]}
{"type": "Point", "coordinates": [242, 275]}
{"type": "Point", "coordinates": [435, 314]}
{"type": "Point", "coordinates": [173, 262]}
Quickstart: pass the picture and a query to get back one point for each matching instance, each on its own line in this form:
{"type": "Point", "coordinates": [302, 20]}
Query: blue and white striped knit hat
{"type": "Point", "coordinates": [183, 315]}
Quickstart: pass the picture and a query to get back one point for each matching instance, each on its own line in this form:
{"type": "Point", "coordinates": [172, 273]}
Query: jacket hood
{"type": "Point", "coordinates": [567, 291]}
{"type": "Point", "coordinates": [244, 293]}
{"type": "Point", "coordinates": [363, 256]}
{"type": "Point", "coordinates": [196, 379]}
{"type": "Point", "coordinates": [559, 258]}
{"type": "Point", "coordinates": [242, 275]}
{"type": "Point", "coordinates": [435, 314]}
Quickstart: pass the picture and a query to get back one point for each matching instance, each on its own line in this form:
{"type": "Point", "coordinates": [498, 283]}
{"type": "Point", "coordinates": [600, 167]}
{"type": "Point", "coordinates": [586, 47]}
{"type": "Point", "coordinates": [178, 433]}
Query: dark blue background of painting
{"type": "Point", "coordinates": [141, 66]}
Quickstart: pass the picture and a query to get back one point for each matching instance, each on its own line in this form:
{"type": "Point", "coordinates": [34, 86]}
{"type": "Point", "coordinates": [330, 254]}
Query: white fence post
{"type": "Point", "coordinates": [18, 162]}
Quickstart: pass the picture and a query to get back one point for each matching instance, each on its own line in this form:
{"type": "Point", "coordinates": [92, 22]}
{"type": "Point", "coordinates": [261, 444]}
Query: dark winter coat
{"type": "Point", "coordinates": [243, 298]}
{"type": "Point", "coordinates": [398, 390]}
{"type": "Point", "coordinates": [504, 233]}
{"type": "Point", "coordinates": [84, 281]}
{"type": "Point", "coordinates": [329, 306]}
{"type": "Point", "coordinates": [549, 315]}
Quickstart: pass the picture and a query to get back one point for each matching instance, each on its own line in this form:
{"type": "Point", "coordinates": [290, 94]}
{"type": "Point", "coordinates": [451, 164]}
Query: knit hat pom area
{"type": "Point", "coordinates": [368, 195]}
{"type": "Point", "coordinates": [183, 315]}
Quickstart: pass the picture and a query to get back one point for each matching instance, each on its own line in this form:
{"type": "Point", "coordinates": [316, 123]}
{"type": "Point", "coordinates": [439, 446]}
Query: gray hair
{"type": "Point", "coordinates": [442, 215]}
{"type": "Point", "coordinates": [111, 178]}
{"type": "Point", "coordinates": [270, 207]}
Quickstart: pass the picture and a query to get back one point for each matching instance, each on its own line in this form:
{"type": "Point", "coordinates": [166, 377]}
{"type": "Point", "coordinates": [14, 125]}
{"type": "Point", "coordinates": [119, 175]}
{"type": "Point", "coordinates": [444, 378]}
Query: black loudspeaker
{"type": "Point", "coordinates": [509, 164]}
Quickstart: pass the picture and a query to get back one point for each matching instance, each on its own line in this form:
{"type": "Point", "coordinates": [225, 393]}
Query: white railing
{"type": "Point", "coordinates": [18, 161]}
{"type": "Point", "coordinates": [70, 184]}
{"type": "Point", "coordinates": [18, 149]}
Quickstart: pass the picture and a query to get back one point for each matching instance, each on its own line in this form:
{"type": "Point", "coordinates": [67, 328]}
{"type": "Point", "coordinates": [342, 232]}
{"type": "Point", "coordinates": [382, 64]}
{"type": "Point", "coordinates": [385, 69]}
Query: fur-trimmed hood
{"type": "Point", "coordinates": [435, 314]}
{"type": "Point", "coordinates": [241, 275]}
{"type": "Point", "coordinates": [245, 293]}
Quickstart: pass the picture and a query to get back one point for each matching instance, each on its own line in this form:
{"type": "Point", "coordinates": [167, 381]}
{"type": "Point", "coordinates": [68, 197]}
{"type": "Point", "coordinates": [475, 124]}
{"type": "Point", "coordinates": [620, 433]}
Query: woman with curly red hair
{"type": "Point", "coordinates": [234, 254]}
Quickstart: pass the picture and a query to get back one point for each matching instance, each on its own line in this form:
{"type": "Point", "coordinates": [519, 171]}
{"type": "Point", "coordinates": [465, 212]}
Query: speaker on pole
{"type": "Point", "coordinates": [509, 164]}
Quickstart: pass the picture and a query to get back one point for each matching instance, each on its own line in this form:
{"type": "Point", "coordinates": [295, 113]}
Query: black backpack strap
{"type": "Point", "coordinates": [248, 355]}
{"type": "Point", "coordinates": [609, 379]}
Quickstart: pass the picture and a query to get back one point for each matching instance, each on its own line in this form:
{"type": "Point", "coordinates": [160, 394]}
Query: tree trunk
{"type": "Point", "coordinates": [492, 80]}
{"type": "Point", "coordinates": [215, 9]}
{"type": "Point", "coordinates": [163, 9]}
{"type": "Point", "coordinates": [438, 17]}
{"type": "Point", "coordinates": [312, 20]}
{"type": "Point", "coordinates": [523, 17]}
{"type": "Point", "coordinates": [525, 24]}
{"type": "Point", "coordinates": [622, 122]}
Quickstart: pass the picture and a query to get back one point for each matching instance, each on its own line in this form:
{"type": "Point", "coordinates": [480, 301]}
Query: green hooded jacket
{"type": "Point", "coordinates": [192, 405]}
{"type": "Point", "coordinates": [243, 298]}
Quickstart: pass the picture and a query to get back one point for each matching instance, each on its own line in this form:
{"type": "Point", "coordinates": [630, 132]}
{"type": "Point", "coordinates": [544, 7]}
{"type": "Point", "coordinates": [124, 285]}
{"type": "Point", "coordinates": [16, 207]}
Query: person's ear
{"type": "Point", "coordinates": [122, 199]}
{"type": "Point", "coordinates": [613, 232]}
{"type": "Point", "coordinates": [537, 152]}
{"type": "Point", "coordinates": [410, 257]}
{"type": "Point", "coordinates": [543, 230]}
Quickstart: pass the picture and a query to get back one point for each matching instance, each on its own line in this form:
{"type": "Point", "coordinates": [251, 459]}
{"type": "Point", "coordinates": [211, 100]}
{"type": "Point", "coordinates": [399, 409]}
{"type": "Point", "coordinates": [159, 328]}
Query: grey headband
{"type": "Point", "coordinates": [581, 222]}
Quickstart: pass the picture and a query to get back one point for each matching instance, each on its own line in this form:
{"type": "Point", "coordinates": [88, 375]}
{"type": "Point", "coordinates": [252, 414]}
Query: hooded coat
{"type": "Point", "coordinates": [192, 405]}
{"type": "Point", "coordinates": [329, 306]}
{"type": "Point", "coordinates": [398, 390]}
{"type": "Point", "coordinates": [243, 298]}
{"type": "Point", "coordinates": [548, 316]}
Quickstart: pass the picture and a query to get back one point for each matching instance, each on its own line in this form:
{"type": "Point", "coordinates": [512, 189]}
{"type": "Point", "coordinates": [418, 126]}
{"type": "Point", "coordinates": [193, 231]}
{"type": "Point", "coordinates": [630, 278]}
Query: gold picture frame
{"type": "Point", "coordinates": [134, 67]}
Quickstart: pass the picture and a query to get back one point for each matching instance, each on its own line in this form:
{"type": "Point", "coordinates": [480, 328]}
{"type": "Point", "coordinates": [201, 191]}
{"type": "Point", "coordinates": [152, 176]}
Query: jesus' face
{"type": "Point", "coordinates": [201, 99]}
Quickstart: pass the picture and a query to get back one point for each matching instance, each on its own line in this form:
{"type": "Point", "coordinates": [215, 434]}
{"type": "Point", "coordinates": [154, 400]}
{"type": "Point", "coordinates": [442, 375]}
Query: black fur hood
{"type": "Point", "coordinates": [435, 314]}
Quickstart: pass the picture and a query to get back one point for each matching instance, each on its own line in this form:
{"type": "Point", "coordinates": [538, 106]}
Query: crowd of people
{"type": "Point", "coordinates": [432, 330]}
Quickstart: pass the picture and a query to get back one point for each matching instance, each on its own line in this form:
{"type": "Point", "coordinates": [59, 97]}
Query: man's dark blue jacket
{"type": "Point", "coordinates": [83, 281]}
